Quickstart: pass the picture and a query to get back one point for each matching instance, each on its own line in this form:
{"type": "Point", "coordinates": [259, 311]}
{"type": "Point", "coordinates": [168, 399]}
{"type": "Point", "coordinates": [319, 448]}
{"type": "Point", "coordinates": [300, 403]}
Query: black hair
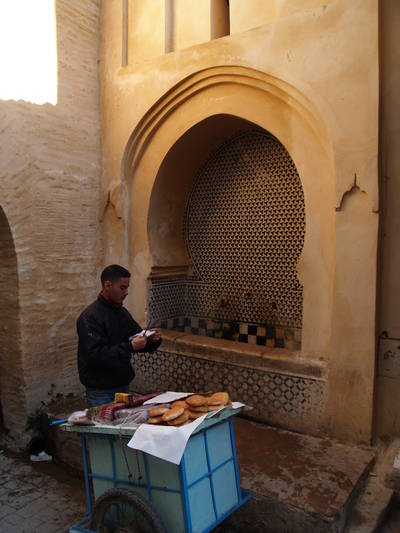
{"type": "Point", "coordinates": [114, 272]}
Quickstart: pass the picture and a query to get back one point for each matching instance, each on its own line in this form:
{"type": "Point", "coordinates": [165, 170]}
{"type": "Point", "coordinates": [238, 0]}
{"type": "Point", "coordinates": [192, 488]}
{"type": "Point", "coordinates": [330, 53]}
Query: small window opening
{"type": "Point", "coordinates": [125, 22]}
{"type": "Point", "coordinates": [219, 18]}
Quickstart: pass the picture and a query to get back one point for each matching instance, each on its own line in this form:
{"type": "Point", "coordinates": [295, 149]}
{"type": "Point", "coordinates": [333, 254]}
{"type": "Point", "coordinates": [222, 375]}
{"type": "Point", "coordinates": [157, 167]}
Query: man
{"type": "Point", "coordinates": [107, 340]}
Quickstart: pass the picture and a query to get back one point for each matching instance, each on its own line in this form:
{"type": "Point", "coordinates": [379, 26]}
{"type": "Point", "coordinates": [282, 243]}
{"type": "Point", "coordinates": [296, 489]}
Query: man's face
{"type": "Point", "coordinates": [116, 291]}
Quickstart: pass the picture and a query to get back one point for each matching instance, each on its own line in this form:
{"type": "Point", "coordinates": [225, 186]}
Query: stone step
{"type": "Point", "coordinates": [377, 497]}
{"type": "Point", "coordinates": [371, 508]}
{"type": "Point", "coordinates": [300, 483]}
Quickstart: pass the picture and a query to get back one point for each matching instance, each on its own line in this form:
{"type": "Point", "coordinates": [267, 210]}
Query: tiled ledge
{"type": "Point", "coordinates": [278, 360]}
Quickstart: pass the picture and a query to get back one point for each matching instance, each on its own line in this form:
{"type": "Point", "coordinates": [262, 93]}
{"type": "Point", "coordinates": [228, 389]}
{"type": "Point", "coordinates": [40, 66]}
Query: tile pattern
{"type": "Point", "coordinates": [292, 401]}
{"type": "Point", "coordinates": [244, 239]}
{"type": "Point", "coordinates": [260, 334]}
{"type": "Point", "coordinates": [245, 231]}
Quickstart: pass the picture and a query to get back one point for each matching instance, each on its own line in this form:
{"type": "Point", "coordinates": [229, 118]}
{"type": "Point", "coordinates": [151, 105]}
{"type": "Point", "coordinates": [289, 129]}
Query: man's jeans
{"type": "Point", "coordinates": [101, 396]}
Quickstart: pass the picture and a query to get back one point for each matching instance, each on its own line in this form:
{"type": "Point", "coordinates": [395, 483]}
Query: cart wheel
{"type": "Point", "coordinates": [123, 511]}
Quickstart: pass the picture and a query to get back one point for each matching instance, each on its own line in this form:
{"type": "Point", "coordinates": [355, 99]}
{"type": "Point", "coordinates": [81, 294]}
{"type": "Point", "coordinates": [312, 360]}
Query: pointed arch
{"type": "Point", "coordinates": [271, 104]}
{"type": "Point", "coordinates": [11, 375]}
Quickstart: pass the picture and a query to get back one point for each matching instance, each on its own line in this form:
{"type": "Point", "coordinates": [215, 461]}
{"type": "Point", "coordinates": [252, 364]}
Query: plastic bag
{"type": "Point", "coordinates": [80, 418]}
{"type": "Point", "coordinates": [132, 416]}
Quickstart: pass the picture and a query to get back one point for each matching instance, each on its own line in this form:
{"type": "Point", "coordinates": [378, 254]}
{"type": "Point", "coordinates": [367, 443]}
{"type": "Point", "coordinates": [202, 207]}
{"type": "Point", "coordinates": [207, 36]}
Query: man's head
{"type": "Point", "coordinates": [115, 282]}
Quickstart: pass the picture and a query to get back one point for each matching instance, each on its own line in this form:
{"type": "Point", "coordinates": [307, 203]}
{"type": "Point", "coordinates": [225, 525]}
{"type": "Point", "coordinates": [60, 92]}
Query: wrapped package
{"type": "Point", "coordinates": [80, 418]}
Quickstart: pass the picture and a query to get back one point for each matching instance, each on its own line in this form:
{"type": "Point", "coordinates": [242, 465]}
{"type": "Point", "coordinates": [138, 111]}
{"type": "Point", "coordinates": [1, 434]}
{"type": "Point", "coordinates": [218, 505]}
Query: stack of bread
{"type": "Point", "coordinates": [173, 416]}
{"type": "Point", "coordinates": [185, 411]}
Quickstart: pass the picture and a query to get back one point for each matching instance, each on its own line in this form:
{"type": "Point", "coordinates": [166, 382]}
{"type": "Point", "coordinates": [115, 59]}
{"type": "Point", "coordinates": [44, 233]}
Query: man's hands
{"type": "Point", "coordinates": [139, 342]}
{"type": "Point", "coordinates": [155, 335]}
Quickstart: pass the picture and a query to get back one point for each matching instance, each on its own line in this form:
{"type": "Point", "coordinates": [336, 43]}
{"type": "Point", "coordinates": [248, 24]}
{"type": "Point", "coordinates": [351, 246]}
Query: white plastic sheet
{"type": "Point", "coordinates": [165, 442]}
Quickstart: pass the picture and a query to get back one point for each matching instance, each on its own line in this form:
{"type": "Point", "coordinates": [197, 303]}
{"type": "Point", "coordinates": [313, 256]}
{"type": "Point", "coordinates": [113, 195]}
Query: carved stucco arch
{"type": "Point", "coordinates": [280, 109]}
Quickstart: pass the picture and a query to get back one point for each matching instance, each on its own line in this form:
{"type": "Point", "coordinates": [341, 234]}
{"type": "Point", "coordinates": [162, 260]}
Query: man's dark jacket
{"type": "Point", "coordinates": [104, 349]}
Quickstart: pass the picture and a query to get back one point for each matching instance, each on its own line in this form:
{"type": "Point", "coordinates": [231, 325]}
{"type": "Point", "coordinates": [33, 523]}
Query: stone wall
{"type": "Point", "coordinates": [49, 193]}
{"type": "Point", "coordinates": [11, 375]}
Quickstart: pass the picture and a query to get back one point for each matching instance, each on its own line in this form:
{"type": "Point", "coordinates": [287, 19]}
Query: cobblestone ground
{"type": "Point", "coordinates": [38, 497]}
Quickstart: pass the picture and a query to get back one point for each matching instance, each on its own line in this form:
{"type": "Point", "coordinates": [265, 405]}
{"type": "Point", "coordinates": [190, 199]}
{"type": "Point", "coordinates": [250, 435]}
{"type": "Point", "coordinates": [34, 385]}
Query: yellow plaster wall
{"type": "Point", "coordinates": [113, 231]}
{"type": "Point", "coordinates": [146, 29]}
{"type": "Point", "coordinates": [250, 14]}
{"type": "Point", "coordinates": [322, 104]}
{"type": "Point", "coordinates": [316, 72]}
{"type": "Point", "coordinates": [111, 37]}
{"type": "Point", "coordinates": [350, 392]}
{"type": "Point", "coordinates": [188, 23]}
{"type": "Point", "coordinates": [289, 7]}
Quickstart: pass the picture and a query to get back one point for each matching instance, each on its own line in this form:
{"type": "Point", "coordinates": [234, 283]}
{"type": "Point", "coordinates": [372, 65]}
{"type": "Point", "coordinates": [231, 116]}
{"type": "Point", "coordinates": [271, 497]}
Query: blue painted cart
{"type": "Point", "coordinates": [192, 497]}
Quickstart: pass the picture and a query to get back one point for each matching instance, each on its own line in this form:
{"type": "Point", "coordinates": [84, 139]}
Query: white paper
{"type": "Point", "coordinates": [235, 405]}
{"type": "Point", "coordinates": [168, 397]}
{"type": "Point", "coordinates": [148, 332]}
{"type": "Point", "coordinates": [165, 442]}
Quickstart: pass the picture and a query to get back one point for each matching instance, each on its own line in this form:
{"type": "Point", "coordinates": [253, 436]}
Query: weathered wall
{"type": "Point", "coordinates": [49, 191]}
{"type": "Point", "coordinates": [352, 362]}
{"type": "Point", "coordinates": [249, 15]}
{"type": "Point", "coordinates": [308, 73]}
{"type": "Point", "coordinates": [145, 25]}
{"type": "Point", "coordinates": [11, 376]}
{"type": "Point", "coordinates": [387, 415]}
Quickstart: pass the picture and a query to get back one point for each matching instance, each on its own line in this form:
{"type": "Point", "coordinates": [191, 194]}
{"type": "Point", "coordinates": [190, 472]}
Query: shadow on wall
{"type": "Point", "coordinates": [11, 378]}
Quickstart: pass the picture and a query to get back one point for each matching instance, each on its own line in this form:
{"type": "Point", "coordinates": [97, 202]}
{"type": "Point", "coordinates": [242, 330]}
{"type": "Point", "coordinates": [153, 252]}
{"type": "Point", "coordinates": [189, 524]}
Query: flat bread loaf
{"type": "Point", "coordinates": [193, 415]}
{"type": "Point", "coordinates": [173, 413]}
{"type": "Point", "coordinates": [218, 398]}
{"type": "Point", "coordinates": [180, 420]}
{"type": "Point", "coordinates": [215, 407]}
{"type": "Point", "coordinates": [180, 403]}
{"type": "Point", "coordinates": [158, 411]}
{"type": "Point", "coordinates": [196, 400]}
{"type": "Point", "coordinates": [155, 420]}
{"type": "Point", "coordinates": [199, 409]}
